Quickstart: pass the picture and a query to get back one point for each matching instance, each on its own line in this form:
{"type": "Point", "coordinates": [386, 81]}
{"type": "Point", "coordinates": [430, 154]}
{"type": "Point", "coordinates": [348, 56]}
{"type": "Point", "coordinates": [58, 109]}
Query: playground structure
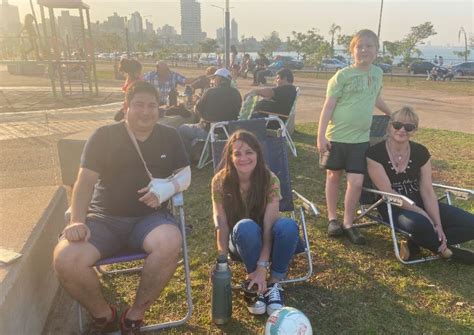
{"type": "Point", "coordinates": [69, 72]}
{"type": "Point", "coordinates": [80, 70]}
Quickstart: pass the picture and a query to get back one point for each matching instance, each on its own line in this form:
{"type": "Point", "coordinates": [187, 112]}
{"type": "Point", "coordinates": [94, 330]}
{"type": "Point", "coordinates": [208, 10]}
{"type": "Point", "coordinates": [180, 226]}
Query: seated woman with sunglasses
{"type": "Point", "coordinates": [398, 165]}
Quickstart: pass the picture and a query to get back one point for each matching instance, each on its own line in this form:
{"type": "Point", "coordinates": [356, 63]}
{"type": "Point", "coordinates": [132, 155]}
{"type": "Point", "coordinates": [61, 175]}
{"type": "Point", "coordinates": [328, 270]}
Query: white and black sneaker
{"type": "Point", "coordinates": [257, 305]}
{"type": "Point", "coordinates": [274, 298]}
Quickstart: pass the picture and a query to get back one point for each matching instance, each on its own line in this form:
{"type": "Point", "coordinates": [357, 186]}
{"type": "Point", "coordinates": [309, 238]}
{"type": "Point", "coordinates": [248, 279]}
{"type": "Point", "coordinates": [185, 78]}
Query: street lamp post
{"type": "Point", "coordinates": [227, 34]}
{"type": "Point", "coordinates": [226, 14]}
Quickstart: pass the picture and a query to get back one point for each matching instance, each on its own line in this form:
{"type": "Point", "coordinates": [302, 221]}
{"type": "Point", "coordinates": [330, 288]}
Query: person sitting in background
{"type": "Point", "coordinates": [203, 82]}
{"type": "Point", "coordinates": [247, 65]}
{"type": "Point", "coordinates": [220, 103]}
{"type": "Point", "coordinates": [165, 81]}
{"type": "Point", "coordinates": [401, 166]}
{"type": "Point", "coordinates": [245, 201]}
{"type": "Point", "coordinates": [132, 69]}
{"type": "Point", "coordinates": [276, 100]}
{"type": "Point", "coordinates": [261, 69]}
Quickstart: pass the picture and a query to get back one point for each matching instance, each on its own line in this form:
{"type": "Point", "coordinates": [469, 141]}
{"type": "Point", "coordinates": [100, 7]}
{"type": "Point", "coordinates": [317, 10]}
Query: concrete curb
{"type": "Point", "coordinates": [29, 285]}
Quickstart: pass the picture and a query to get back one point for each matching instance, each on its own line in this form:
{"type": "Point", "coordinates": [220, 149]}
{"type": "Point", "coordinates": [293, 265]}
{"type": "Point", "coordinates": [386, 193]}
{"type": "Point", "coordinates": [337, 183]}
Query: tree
{"type": "Point", "coordinates": [416, 36]}
{"type": "Point", "coordinates": [462, 54]}
{"type": "Point", "coordinates": [271, 43]}
{"type": "Point", "coordinates": [465, 53]}
{"type": "Point", "coordinates": [345, 41]}
{"type": "Point", "coordinates": [208, 46]}
{"type": "Point", "coordinates": [297, 43]}
{"type": "Point", "coordinates": [394, 49]}
{"type": "Point", "coordinates": [332, 31]}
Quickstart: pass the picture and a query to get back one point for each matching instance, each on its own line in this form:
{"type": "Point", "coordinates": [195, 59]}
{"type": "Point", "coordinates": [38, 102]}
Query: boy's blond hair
{"type": "Point", "coordinates": [364, 33]}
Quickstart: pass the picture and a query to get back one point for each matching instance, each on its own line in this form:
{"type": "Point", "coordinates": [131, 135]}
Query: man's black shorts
{"type": "Point", "coordinates": [347, 156]}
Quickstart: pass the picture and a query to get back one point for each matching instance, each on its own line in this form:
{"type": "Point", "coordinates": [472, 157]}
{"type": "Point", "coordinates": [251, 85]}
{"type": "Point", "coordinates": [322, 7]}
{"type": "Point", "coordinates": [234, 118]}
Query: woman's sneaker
{"type": "Point", "coordinates": [274, 298]}
{"type": "Point", "coordinates": [257, 305]}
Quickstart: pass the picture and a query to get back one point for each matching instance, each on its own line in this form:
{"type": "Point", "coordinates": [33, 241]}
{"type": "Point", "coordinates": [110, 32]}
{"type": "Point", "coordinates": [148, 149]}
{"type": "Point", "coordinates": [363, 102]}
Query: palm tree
{"type": "Point", "coordinates": [332, 31]}
{"type": "Point", "coordinates": [463, 31]}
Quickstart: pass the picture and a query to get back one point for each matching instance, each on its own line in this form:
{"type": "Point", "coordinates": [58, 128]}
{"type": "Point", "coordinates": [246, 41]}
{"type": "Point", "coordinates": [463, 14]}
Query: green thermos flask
{"type": "Point", "coordinates": [221, 292]}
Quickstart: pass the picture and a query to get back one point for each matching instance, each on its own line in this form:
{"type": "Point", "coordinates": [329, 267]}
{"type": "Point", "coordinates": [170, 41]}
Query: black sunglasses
{"type": "Point", "coordinates": [408, 126]}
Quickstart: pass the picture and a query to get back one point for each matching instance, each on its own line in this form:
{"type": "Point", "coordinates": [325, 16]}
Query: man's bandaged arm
{"type": "Point", "coordinates": [164, 189]}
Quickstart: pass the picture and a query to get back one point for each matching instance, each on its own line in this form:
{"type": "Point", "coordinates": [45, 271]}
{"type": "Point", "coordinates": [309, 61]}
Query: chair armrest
{"type": "Point", "coordinates": [459, 193]}
{"type": "Point", "coordinates": [273, 113]}
{"type": "Point", "coordinates": [178, 199]}
{"type": "Point", "coordinates": [391, 198]}
{"type": "Point", "coordinates": [307, 205]}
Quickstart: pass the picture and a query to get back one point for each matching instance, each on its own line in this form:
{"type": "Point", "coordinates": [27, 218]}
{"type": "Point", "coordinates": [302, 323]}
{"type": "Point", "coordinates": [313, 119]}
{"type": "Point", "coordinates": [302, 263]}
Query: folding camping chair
{"type": "Point", "coordinates": [178, 211]}
{"type": "Point", "coordinates": [244, 114]}
{"type": "Point", "coordinates": [289, 122]}
{"type": "Point", "coordinates": [277, 159]}
{"type": "Point", "coordinates": [372, 198]}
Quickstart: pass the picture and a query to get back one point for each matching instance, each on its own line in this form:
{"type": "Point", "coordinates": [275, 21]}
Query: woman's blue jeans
{"type": "Point", "coordinates": [246, 241]}
{"type": "Point", "coordinates": [458, 225]}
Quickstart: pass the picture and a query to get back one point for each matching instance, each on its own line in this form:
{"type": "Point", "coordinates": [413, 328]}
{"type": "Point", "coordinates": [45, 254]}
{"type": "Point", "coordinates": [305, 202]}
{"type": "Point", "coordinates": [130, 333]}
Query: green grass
{"type": "Point", "coordinates": [355, 289]}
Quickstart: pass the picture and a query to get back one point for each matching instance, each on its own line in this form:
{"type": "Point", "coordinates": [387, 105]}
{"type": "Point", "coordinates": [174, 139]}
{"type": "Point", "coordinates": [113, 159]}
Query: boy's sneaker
{"type": "Point", "coordinates": [274, 297]}
{"type": "Point", "coordinates": [257, 305]}
{"type": "Point", "coordinates": [335, 228]}
{"type": "Point", "coordinates": [129, 327]}
{"type": "Point", "coordinates": [99, 326]}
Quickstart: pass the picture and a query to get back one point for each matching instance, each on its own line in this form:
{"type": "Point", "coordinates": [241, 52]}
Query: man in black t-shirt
{"type": "Point", "coordinates": [220, 103]}
{"type": "Point", "coordinates": [119, 202]}
{"type": "Point", "coordinates": [277, 100]}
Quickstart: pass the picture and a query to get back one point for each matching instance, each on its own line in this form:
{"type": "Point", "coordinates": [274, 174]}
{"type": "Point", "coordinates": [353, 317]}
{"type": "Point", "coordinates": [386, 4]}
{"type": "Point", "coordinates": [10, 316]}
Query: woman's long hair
{"type": "Point", "coordinates": [235, 207]}
{"type": "Point", "coordinates": [131, 67]}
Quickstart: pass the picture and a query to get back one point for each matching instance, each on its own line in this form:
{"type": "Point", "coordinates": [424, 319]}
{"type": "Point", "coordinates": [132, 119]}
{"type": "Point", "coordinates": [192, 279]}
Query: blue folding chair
{"type": "Point", "coordinates": [125, 257]}
{"type": "Point", "coordinates": [276, 157]}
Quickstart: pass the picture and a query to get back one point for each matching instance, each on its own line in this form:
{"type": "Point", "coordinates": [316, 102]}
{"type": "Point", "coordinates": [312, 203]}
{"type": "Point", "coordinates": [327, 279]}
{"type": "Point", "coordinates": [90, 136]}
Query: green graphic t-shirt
{"type": "Point", "coordinates": [356, 92]}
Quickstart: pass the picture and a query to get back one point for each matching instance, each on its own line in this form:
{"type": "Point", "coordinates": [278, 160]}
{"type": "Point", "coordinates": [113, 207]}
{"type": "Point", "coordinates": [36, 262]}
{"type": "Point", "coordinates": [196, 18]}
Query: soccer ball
{"type": "Point", "coordinates": [288, 321]}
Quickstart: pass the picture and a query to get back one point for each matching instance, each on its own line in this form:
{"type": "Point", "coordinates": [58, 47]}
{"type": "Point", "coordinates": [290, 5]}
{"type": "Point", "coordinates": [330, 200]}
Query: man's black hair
{"type": "Point", "coordinates": [286, 74]}
{"type": "Point", "coordinates": [141, 87]}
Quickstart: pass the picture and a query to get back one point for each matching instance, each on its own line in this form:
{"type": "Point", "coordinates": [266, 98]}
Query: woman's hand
{"type": "Point", "coordinates": [258, 277]}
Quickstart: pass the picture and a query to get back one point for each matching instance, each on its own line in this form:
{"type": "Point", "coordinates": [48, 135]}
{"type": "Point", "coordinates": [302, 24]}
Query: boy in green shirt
{"type": "Point", "coordinates": [344, 129]}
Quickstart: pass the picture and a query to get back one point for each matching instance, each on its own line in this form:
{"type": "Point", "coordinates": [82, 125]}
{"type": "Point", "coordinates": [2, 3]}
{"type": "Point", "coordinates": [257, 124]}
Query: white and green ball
{"type": "Point", "coordinates": [288, 321]}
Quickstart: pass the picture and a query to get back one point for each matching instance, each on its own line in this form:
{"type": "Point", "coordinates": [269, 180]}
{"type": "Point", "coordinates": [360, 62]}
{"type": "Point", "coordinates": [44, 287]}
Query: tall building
{"type": "Point", "coordinates": [69, 28]}
{"type": "Point", "coordinates": [191, 21]}
{"type": "Point", "coordinates": [149, 27]}
{"type": "Point", "coordinates": [9, 18]}
{"type": "Point", "coordinates": [234, 32]}
{"type": "Point", "coordinates": [220, 36]}
{"type": "Point", "coordinates": [135, 25]}
{"type": "Point", "coordinates": [114, 24]}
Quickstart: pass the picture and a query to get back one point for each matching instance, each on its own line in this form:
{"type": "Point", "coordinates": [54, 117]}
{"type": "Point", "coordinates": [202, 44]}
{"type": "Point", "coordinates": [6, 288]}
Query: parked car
{"type": "Point", "coordinates": [331, 64]}
{"type": "Point", "coordinates": [420, 67]}
{"type": "Point", "coordinates": [386, 68]}
{"type": "Point", "coordinates": [207, 61]}
{"type": "Point", "coordinates": [463, 69]}
{"type": "Point", "coordinates": [287, 62]}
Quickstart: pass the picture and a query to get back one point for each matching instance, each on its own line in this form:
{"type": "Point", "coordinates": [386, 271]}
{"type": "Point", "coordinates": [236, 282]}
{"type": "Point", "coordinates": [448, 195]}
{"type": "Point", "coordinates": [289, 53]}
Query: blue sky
{"type": "Point", "coordinates": [260, 17]}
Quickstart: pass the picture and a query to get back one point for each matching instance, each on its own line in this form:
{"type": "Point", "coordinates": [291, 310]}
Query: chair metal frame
{"type": "Point", "coordinates": [211, 137]}
{"type": "Point", "coordinates": [178, 211]}
{"type": "Point", "coordinates": [289, 123]}
{"type": "Point", "coordinates": [395, 199]}
{"type": "Point", "coordinates": [306, 207]}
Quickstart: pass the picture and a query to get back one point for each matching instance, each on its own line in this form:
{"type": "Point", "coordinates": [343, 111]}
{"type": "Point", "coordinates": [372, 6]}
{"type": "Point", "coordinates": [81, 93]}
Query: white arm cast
{"type": "Point", "coordinates": [164, 189]}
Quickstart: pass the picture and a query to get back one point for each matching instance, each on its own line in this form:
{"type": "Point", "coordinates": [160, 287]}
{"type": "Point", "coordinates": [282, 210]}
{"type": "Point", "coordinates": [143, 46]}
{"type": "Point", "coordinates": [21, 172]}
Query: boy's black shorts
{"type": "Point", "coordinates": [347, 156]}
